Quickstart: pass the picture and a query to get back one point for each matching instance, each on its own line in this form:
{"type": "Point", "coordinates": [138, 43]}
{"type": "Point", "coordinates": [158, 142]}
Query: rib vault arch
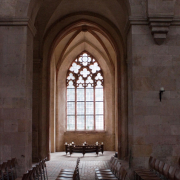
{"type": "Point", "coordinates": [59, 50]}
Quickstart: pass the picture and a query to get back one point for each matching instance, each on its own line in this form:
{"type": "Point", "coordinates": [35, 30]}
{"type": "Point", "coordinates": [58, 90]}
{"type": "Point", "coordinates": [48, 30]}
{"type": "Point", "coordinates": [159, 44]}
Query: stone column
{"type": "Point", "coordinates": [36, 109]}
{"type": "Point", "coordinates": [16, 45]}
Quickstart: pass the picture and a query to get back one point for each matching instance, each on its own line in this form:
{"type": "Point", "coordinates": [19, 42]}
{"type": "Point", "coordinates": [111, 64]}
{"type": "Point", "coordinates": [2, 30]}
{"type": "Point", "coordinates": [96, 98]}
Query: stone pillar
{"type": "Point", "coordinates": [36, 109]}
{"type": "Point", "coordinates": [16, 45]}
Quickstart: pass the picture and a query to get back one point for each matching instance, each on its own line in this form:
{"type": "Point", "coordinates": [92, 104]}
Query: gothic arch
{"type": "Point", "coordinates": [100, 34]}
{"type": "Point", "coordinates": [110, 26]}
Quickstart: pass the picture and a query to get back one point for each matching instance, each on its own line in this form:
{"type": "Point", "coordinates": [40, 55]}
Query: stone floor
{"type": "Point", "coordinates": [86, 167]}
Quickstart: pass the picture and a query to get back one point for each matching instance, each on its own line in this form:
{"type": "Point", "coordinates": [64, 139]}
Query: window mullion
{"type": "Point", "coordinates": [84, 70]}
{"type": "Point", "coordinates": [85, 107]}
{"type": "Point", "coordinates": [103, 110]}
{"type": "Point", "coordinates": [75, 108]}
{"type": "Point", "coordinates": [94, 108]}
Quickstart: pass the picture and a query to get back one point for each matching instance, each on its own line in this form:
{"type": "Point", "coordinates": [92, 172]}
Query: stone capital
{"type": "Point", "coordinates": [159, 25]}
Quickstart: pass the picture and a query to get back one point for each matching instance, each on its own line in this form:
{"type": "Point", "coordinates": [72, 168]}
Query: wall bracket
{"type": "Point", "coordinates": [160, 27]}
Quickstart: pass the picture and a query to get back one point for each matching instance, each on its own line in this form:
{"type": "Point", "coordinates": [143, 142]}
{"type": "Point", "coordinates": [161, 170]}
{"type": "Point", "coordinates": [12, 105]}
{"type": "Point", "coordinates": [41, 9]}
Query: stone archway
{"type": "Point", "coordinates": [105, 57]}
{"type": "Point", "coordinates": [112, 24]}
{"type": "Point", "coordinates": [128, 26]}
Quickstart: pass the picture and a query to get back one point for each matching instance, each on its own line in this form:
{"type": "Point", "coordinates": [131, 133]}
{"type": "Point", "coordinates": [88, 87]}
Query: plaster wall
{"type": "Point", "coordinates": [16, 44]}
{"type": "Point", "coordinates": [154, 125]}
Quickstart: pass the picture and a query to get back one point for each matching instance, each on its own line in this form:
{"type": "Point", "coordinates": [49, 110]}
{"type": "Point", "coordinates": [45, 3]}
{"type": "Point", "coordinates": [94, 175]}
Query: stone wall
{"type": "Point", "coordinates": [16, 95]}
{"type": "Point", "coordinates": [155, 126]}
{"type": "Point", "coordinates": [91, 138]}
{"type": "Point", "coordinates": [61, 134]}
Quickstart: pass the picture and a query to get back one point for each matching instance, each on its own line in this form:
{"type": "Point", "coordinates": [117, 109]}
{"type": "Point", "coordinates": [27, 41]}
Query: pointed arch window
{"type": "Point", "coordinates": [85, 99]}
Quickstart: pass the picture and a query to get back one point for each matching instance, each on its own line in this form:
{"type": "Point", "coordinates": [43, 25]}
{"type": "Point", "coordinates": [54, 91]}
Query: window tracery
{"type": "Point", "coordinates": [85, 106]}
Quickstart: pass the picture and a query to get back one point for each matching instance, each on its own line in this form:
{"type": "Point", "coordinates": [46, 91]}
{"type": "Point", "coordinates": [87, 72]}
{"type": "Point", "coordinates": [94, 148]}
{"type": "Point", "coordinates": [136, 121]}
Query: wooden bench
{"type": "Point", "coordinates": [116, 171]}
{"type": "Point", "coordinates": [70, 174]}
{"type": "Point", "coordinates": [8, 169]}
{"type": "Point", "coordinates": [158, 171]}
{"type": "Point", "coordinates": [38, 172]}
{"type": "Point", "coordinates": [84, 149]}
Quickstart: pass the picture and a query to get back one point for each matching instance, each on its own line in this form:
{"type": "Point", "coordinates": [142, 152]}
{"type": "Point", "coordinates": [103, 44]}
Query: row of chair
{"type": "Point", "coordinates": [70, 174]}
{"type": "Point", "coordinates": [39, 172]}
{"type": "Point", "coordinates": [158, 171]}
{"type": "Point", "coordinates": [116, 171]}
{"type": "Point", "coordinates": [8, 170]}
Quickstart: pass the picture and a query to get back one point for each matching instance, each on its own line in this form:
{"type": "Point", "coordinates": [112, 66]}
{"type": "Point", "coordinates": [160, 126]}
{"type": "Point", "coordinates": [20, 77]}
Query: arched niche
{"type": "Point", "coordinates": [107, 136]}
{"type": "Point", "coordinates": [107, 34]}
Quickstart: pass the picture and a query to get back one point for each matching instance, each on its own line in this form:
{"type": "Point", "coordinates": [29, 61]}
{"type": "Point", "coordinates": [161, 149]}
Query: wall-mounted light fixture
{"type": "Point", "coordinates": [161, 92]}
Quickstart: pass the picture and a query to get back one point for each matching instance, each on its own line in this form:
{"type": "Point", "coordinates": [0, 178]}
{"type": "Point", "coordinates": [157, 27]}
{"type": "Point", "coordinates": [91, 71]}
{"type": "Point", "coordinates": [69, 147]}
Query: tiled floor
{"type": "Point", "coordinates": [86, 167]}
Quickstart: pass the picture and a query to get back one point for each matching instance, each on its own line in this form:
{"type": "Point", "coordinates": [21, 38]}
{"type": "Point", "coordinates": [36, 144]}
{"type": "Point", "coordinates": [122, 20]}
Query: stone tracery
{"type": "Point", "coordinates": [85, 106]}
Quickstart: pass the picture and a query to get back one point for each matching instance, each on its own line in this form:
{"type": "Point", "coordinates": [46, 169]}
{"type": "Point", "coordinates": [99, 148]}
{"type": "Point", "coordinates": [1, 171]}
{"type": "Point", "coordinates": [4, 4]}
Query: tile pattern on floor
{"type": "Point", "coordinates": [87, 165]}
{"type": "Point", "coordinates": [86, 168]}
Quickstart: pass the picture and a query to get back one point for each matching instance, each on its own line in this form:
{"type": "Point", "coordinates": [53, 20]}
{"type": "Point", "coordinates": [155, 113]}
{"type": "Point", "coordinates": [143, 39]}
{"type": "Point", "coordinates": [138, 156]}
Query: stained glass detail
{"type": "Point", "coordinates": [85, 94]}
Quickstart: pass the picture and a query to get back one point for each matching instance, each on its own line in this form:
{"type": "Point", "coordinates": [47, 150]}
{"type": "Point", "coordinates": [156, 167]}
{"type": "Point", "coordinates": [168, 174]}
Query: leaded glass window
{"type": "Point", "coordinates": [85, 102]}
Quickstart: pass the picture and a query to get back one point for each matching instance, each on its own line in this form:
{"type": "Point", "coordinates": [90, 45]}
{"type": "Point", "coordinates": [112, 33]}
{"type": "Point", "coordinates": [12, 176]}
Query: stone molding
{"type": "Point", "coordinates": [136, 20]}
{"type": "Point", "coordinates": [160, 27]}
{"type": "Point", "coordinates": [18, 22]}
{"type": "Point", "coordinates": [145, 21]}
{"type": "Point", "coordinates": [176, 21]}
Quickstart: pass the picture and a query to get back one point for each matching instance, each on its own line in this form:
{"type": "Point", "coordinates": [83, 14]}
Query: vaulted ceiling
{"type": "Point", "coordinates": [52, 17]}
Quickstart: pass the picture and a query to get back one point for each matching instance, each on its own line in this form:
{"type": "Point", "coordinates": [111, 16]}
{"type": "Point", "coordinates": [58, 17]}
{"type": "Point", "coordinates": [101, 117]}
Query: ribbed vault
{"type": "Point", "coordinates": [61, 36]}
{"type": "Point", "coordinates": [85, 37]}
{"type": "Point", "coordinates": [76, 39]}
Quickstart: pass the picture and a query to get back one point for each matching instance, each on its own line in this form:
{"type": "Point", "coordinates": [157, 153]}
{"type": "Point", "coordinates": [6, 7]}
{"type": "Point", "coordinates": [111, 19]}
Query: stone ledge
{"type": "Point", "coordinates": [18, 22]}
{"type": "Point", "coordinates": [176, 21]}
{"type": "Point", "coordinates": [159, 25]}
{"type": "Point", "coordinates": [144, 21]}
{"type": "Point", "coordinates": [85, 132]}
{"type": "Point", "coordinates": [136, 20]}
